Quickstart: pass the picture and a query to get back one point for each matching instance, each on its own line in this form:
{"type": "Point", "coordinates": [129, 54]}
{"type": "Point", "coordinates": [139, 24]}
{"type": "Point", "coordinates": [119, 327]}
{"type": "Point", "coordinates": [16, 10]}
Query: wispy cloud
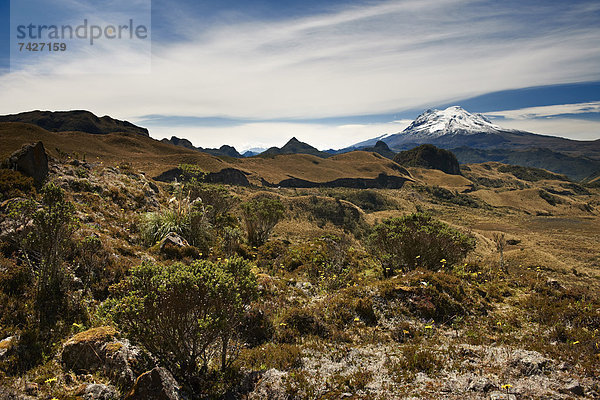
{"type": "Point", "coordinates": [565, 120]}
{"type": "Point", "coordinates": [377, 58]}
{"type": "Point", "coordinates": [548, 111]}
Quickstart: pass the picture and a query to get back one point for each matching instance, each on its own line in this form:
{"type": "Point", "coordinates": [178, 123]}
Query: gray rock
{"type": "Point", "coordinates": [270, 386]}
{"type": "Point", "coordinates": [529, 362]}
{"type": "Point", "coordinates": [481, 384]}
{"type": "Point", "coordinates": [97, 391]}
{"type": "Point", "coordinates": [157, 384]}
{"type": "Point", "coordinates": [32, 161]}
{"type": "Point", "coordinates": [502, 396]}
{"type": "Point", "coordinates": [573, 387]}
{"type": "Point", "coordinates": [173, 239]}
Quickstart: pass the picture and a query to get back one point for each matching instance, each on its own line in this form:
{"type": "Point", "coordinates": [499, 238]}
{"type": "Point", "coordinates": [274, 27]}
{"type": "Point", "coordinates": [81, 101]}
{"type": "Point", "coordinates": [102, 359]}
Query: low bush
{"type": "Point", "coordinates": [296, 322]}
{"type": "Point", "coordinates": [260, 215]}
{"type": "Point", "coordinates": [337, 212]}
{"type": "Point", "coordinates": [368, 200]}
{"type": "Point", "coordinates": [417, 240]}
{"type": "Point", "coordinates": [187, 315]}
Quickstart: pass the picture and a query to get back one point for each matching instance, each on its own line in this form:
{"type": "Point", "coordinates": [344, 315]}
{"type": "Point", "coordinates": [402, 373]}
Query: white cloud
{"type": "Point", "coordinates": [371, 59]}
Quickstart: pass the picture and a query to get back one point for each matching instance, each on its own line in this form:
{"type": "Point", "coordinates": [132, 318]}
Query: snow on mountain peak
{"type": "Point", "coordinates": [453, 120]}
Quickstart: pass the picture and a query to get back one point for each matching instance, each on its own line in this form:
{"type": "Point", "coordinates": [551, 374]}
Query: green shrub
{"type": "Point", "coordinates": [46, 246]}
{"type": "Point", "coordinates": [367, 199]}
{"type": "Point", "coordinates": [340, 213]}
{"type": "Point", "coordinates": [328, 261]}
{"type": "Point", "coordinates": [186, 315]}
{"type": "Point", "coordinates": [417, 240]}
{"type": "Point", "coordinates": [260, 215]}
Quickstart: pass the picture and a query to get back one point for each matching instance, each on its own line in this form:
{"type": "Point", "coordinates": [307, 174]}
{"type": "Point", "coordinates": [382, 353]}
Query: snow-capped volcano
{"type": "Point", "coordinates": [449, 128]}
{"type": "Point", "coordinates": [453, 120]}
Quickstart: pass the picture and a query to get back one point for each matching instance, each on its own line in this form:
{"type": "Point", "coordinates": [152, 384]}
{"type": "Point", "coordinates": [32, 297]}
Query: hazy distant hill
{"type": "Point", "coordinates": [294, 146]}
{"type": "Point", "coordinates": [78, 120]}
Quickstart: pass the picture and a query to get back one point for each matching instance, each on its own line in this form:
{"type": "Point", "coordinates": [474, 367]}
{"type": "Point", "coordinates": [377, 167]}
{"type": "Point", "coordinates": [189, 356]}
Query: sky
{"type": "Point", "coordinates": [254, 73]}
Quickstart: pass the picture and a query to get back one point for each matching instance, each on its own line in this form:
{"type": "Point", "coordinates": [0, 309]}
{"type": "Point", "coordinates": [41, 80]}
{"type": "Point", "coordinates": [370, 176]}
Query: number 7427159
{"type": "Point", "coordinates": [42, 46]}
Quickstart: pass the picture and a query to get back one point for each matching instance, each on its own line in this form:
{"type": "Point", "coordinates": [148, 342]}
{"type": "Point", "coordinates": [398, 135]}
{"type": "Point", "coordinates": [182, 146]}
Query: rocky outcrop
{"type": "Point", "coordinates": [99, 350]}
{"type": "Point", "coordinates": [32, 161]}
{"type": "Point", "coordinates": [157, 384]}
{"type": "Point", "coordinates": [429, 156]}
{"type": "Point", "coordinates": [382, 181]}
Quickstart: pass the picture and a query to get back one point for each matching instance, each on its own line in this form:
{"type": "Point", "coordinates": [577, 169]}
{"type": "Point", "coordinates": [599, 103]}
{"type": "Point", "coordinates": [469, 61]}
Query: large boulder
{"type": "Point", "coordinates": [99, 350]}
{"type": "Point", "coordinates": [157, 384]}
{"type": "Point", "coordinates": [32, 161]}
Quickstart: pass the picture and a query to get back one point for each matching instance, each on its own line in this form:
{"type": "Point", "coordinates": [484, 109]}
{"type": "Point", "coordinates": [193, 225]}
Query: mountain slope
{"type": "Point", "coordinates": [77, 120]}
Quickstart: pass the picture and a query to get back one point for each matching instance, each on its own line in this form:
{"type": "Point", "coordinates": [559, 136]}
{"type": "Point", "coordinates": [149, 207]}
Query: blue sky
{"type": "Point", "coordinates": [255, 73]}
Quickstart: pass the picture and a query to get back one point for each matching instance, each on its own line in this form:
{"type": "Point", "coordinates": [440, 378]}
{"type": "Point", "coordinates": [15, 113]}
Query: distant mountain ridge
{"type": "Point", "coordinates": [76, 120]}
{"type": "Point", "coordinates": [223, 151]}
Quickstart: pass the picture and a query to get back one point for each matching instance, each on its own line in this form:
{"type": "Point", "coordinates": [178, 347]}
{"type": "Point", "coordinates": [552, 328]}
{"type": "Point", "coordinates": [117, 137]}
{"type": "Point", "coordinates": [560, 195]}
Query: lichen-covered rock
{"type": "Point", "coordinates": [270, 386]}
{"type": "Point", "coordinates": [157, 384]}
{"type": "Point", "coordinates": [529, 362]}
{"type": "Point", "coordinates": [84, 351]}
{"type": "Point", "coordinates": [98, 349]}
{"type": "Point", "coordinates": [96, 391]}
